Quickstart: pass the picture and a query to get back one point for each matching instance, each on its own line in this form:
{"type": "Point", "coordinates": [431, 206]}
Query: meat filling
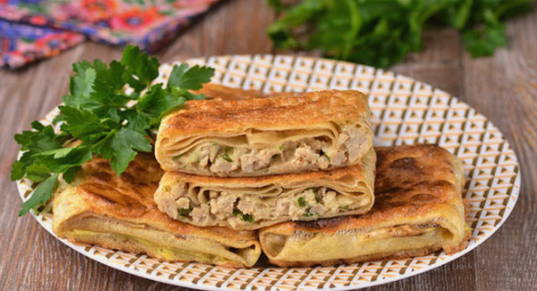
{"type": "Point", "coordinates": [307, 154]}
{"type": "Point", "coordinates": [243, 209]}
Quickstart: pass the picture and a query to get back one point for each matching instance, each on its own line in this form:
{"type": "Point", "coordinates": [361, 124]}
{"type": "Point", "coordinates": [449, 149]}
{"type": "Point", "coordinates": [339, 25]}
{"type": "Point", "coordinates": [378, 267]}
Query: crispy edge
{"type": "Point", "coordinates": [281, 112]}
{"type": "Point", "coordinates": [132, 247]}
{"type": "Point", "coordinates": [140, 207]}
{"type": "Point", "coordinates": [221, 92]}
{"type": "Point", "coordinates": [396, 256]}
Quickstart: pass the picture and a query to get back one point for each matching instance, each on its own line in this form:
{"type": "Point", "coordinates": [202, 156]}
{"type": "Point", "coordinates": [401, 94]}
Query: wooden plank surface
{"type": "Point", "coordinates": [503, 87]}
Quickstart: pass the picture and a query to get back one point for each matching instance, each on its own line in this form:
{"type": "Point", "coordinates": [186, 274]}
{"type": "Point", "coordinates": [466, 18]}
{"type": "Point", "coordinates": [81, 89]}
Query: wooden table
{"type": "Point", "coordinates": [503, 87]}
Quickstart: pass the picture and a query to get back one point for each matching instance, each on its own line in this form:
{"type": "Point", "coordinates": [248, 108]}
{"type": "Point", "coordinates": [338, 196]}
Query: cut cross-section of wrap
{"type": "Point", "coordinates": [288, 133]}
{"type": "Point", "coordinates": [118, 212]}
{"type": "Point", "coordinates": [255, 202]}
{"type": "Point", "coordinates": [418, 209]}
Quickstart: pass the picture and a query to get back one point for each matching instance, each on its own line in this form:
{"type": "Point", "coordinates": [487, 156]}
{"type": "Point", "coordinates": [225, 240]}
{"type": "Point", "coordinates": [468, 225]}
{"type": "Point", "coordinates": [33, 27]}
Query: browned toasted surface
{"type": "Point", "coordinates": [129, 197]}
{"type": "Point", "coordinates": [217, 91]}
{"type": "Point", "coordinates": [129, 194]}
{"type": "Point", "coordinates": [410, 180]}
{"type": "Point", "coordinates": [385, 256]}
{"type": "Point", "coordinates": [282, 112]}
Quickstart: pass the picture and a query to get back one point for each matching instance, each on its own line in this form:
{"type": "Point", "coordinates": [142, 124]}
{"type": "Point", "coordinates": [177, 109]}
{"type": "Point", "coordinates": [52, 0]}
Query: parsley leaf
{"type": "Point", "coordinates": [100, 117]}
{"type": "Point", "coordinates": [157, 102]}
{"type": "Point", "coordinates": [140, 69]}
{"type": "Point", "coordinates": [41, 195]}
{"type": "Point", "coordinates": [484, 41]}
{"type": "Point", "coordinates": [81, 124]}
{"type": "Point", "coordinates": [381, 33]}
{"type": "Point", "coordinates": [190, 78]}
{"type": "Point", "coordinates": [81, 85]}
{"type": "Point", "coordinates": [125, 145]}
{"type": "Point", "coordinates": [42, 138]}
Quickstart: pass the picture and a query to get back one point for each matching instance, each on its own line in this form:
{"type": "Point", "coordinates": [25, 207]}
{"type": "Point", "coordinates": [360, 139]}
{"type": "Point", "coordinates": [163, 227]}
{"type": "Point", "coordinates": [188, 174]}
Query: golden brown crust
{"type": "Point", "coordinates": [125, 203]}
{"type": "Point", "coordinates": [282, 112]}
{"type": "Point", "coordinates": [403, 167]}
{"type": "Point", "coordinates": [395, 256]}
{"type": "Point", "coordinates": [386, 256]}
{"type": "Point", "coordinates": [130, 196]}
{"type": "Point", "coordinates": [221, 92]}
{"type": "Point", "coordinates": [133, 247]}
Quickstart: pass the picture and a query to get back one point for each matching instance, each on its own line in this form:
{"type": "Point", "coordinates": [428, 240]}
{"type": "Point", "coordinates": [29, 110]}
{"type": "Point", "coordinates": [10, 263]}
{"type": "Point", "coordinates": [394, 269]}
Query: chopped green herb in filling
{"type": "Point", "coordinates": [175, 158]}
{"type": "Point", "coordinates": [226, 154]}
{"type": "Point", "coordinates": [301, 202]}
{"type": "Point", "coordinates": [244, 217]}
{"type": "Point", "coordinates": [308, 213]}
{"type": "Point", "coordinates": [248, 218]}
{"type": "Point", "coordinates": [185, 211]}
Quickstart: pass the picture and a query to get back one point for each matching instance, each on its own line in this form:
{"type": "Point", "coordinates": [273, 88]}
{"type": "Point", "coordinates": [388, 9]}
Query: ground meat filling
{"type": "Point", "coordinates": [307, 154]}
{"type": "Point", "coordinates": [242, 209]}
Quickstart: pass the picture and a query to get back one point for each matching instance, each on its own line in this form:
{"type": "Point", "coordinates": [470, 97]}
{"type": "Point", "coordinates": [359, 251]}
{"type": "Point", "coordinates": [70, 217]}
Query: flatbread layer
{"type": "Point", "coordinates": [418, 209]}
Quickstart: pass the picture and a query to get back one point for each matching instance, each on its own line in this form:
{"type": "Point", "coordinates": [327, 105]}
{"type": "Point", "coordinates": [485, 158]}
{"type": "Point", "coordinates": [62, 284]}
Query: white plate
{"type": "Point", "coordinates": [406, 112]}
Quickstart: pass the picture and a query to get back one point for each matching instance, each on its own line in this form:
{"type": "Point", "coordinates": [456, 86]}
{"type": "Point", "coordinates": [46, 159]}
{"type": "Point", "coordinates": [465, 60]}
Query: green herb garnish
{"type": "Point", "coordinates": [248, 218]}
{"type": "Point", "coordinates": [185, 211]}
{"type": "Point", "coordinates": [177, 157]}
{"type": "Point", "coordinates": [383, 32]}
{"type": "Point", "coordinates": [104, 119]}
{"type": "Point", "coordinates": [308, 213]}
{"type": "Point", "coordinates": [42, 193]}
{"type": "Point", "coordinates": [244, 217]}
{"type": "Point", "coordinates": [226, 154]}
{"type": "Point", "coordinates": [301, 202]}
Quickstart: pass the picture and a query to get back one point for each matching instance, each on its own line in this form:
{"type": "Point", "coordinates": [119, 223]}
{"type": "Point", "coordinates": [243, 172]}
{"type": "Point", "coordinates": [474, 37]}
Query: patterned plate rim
{"type": "Point", "coordinates": [23, 188]}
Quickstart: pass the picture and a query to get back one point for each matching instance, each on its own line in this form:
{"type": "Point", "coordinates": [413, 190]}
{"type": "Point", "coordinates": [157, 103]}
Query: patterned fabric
{"type": "Point", "coordinates": [147, 23]}
{"type": "Point", "coordinates": [21, 44]}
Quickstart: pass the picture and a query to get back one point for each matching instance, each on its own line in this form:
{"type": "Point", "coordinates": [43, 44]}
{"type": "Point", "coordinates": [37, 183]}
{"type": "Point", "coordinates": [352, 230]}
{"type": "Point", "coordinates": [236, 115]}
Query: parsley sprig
{"type": "Point", "coordinates": [383, 32]}
{"type": "Point", "coordinates": [111, 111]}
